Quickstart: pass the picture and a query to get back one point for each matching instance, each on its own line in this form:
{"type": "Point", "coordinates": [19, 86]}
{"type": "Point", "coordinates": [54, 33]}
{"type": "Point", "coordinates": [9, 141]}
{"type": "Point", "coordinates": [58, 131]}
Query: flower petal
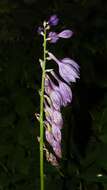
{"type": "Point", "coordinates": [65, 34]}
{"type": "Point", "coordinates": [70, 62]}
{"type": "Point", "coordinates": [56, 133]}
{"type": "Point", "coordinates": [57, 149]}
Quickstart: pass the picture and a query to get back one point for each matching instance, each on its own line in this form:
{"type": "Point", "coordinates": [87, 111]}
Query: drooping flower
{"type": "Point", "coordinates": [56, 133]}
{"type": "Point", "coordinates": [56, 99]}
{"type": "Point", "coordinates": [53, 116]}
{"type": "Point", "coordinates": [53, 20]}
{"type": "Point", "coordinates": [49, 137]}
{"type": "Point", "coordinates": [53, 36]}
{"type": "Point", "coordinates": [54, 95]}
{"type": "Point", "coordinates": [57, 148]}
{"type": "Point", "coordinates": [68, 68]}
{"type": "Point", "coordinates": [64, 90]}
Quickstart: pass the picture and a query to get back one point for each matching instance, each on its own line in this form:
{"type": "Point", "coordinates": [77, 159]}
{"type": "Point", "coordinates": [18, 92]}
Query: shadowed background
{"type": "Point", "coordinates": [84, 143]}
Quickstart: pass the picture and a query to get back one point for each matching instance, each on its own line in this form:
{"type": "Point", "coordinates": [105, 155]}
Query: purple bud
{"type": "Point", "coordinates": [53, 37]}
{"type": "Point", "coordinates": [53, 20]}
{"type": "Point", "coordinates": [65, 34]}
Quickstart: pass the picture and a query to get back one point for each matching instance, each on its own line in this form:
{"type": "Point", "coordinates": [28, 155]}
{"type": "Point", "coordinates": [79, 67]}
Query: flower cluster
{"type": "Point", "coordinates": [57, 91]}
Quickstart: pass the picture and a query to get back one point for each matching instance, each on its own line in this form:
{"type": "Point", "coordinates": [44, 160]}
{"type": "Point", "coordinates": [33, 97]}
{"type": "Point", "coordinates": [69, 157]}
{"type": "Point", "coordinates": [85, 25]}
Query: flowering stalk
{"type": "Point", "coordinates": [52, 96]}
{"type": "Point", "coordinates": [41, 113]}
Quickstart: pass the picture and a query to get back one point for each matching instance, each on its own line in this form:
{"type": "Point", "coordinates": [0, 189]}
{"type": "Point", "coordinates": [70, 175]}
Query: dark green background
{"type": "Point", "coordinates": [84, 142]}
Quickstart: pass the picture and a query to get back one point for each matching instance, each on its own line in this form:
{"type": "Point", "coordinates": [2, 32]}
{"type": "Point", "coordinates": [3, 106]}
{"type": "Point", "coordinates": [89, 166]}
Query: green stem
{"type": "Point", "coordinates": [41, 115]}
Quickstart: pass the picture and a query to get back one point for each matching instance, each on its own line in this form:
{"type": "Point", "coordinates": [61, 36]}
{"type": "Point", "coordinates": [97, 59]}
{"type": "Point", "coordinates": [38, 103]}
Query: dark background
{"type": "Point", "coordinates": [84, 142]}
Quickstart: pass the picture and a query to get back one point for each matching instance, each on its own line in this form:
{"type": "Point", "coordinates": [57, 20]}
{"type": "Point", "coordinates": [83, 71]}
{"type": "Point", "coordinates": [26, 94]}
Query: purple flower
{"type": "Point", "coordinates": [53, 20]}
{"type": "Point", "coordinates": [64, 90]}
{"type": "Point", "coordinates": [53, 37]}
{"type": "Point", "coordinates": [54, 95]}
{"type": "Point", "coordinates": [65, 34]}
{"type": "Point", "coordinates": [68, 69]}
{"type": "Point", "coordinates": [55, 144]}
{"type": "Point", "coordinates": [57, 148]}
{"type": "Point", "coordinates": [57, 119]}
{"type": "Point", "coordinates": [53, 116]}
{"type": "Point", "coordinates": [56, 99]}
{"type": "Point", "coordinates": [56, 133]}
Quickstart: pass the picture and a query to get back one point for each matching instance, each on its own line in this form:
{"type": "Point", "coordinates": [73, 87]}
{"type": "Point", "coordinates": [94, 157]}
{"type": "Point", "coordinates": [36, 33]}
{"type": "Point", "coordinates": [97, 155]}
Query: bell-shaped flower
{"type": "Point", "coordinates": [49, 137]}
{"type": "Point", "coordinates": [53, 142]}
{"type": "Point", "coordinates": [56, 99]}
{"type": "Point", "coordinates": [53, 116]}
{"type": "Point", "coordinates": [68, 68]}
{"type": "Point", "coordinates": [54, 95]}
{"type": "Point", "coordinates": [64, 90]}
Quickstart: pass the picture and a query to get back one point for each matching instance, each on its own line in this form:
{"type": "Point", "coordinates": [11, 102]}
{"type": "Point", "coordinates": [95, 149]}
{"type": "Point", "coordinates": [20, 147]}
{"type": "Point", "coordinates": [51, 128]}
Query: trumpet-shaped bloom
{"type": "Point", "coordinates": [54, 95]}
{"type": "Point", "coordinates": [66, 93]}
{"type": "Point", "coordinates": [68, 68]}
{"type": "Point", "coordinates": [53, 142]}
{"type": "Point", "coordinates": [64, 90]}
{"type": "Point", "coordinates": [53, 36]}
{"type": "Point", "coordinates": [56, 99]}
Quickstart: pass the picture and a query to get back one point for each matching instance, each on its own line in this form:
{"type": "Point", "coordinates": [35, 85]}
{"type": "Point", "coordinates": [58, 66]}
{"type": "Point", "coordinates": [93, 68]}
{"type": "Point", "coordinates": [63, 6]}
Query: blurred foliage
{"type": "Point", "coordinates": [84, 144]}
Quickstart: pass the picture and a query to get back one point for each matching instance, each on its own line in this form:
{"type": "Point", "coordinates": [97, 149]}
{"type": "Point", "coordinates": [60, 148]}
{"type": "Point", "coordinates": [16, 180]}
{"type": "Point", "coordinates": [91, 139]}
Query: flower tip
{"type": "Point", "coordinates": [53, 20]}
